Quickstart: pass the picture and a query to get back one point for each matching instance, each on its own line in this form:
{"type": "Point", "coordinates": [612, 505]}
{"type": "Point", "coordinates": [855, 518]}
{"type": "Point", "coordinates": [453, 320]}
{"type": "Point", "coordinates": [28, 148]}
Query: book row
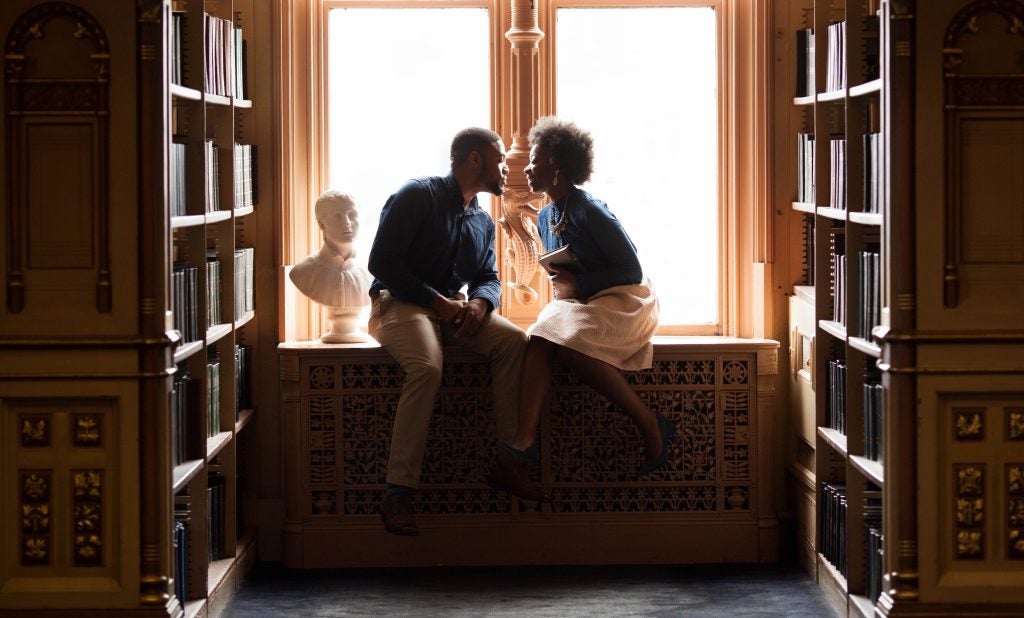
{"type": "Point", "coordinates": [244, 187]}
{"type": "Point", "coordinates": [225, 68]}
{"type": "Point", "coordinates": [832, 524]}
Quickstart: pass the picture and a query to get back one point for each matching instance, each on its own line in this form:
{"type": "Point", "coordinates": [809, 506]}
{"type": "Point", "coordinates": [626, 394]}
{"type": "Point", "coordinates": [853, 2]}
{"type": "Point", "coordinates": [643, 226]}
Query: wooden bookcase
{"type": "Point", "coordinates": [929, 520]}
{"type": "Point", "coordinates": [838, 99]}
{"type": "Point", "coordinates": [212, 128]}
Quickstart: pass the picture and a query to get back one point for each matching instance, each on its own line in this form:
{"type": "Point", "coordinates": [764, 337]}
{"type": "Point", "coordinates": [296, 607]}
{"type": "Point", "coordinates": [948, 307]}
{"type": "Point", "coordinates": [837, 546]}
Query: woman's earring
{"type": "Point", "coordinates": [554, 182]}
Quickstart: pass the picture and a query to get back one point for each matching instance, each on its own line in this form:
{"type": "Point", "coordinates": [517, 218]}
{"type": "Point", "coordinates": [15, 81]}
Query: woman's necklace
{"type": "Point", "coordinates": [558, 225]}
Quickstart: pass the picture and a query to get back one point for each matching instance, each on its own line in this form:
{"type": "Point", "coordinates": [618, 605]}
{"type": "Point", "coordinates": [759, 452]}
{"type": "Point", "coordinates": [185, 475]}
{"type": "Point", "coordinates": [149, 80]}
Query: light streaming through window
{"type": "Point", "coordinates": [644, 82]}
{"type": "Point", "coordinates": [393, 118]}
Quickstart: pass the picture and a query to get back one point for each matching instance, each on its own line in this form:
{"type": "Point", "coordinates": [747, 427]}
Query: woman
{"type": "Point", "coordinates": [603, 314]}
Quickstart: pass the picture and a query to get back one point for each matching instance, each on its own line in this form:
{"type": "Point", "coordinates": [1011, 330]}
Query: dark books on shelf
{"type": "Point", "coordinates": [837, 174]}
{"type": "Point", "coordinates": [805, 168]}
{"type": "Point", "coordinates": [243, 384]}
{"type": "Point", "coordinates": [837, 272]}
{"type": "Point", "coordinates": [243, 281]}
{"type": "Point", "coordinates": [561, 257]}
{"type": "Point", "coordinates": [873, 418]}
{"type": "Point", "coordinates": [872, 173]}
{"type": "Point", "coordinates": [179, 46]}
{"type": "Point", "coordinates": [180, 551]}
{"type": "Point", "coordinates": [837, 395]}
{"type": "Point", "coordinates": [214, 315]}
{"type": "Point", "coordinates": [868, 297]}
{"type": "Point", "coordinates": [873, 544]}
{"type": "Point", "coordinates": [832, 520]}
{"type": "Point", "coordinates": [870, 47]}
{"type": "Point", "coordinates": [835, 68]}
{"type": "Point", "coordinates": [805, 62]}
{"type": "Point", "coordinates": [184, 281]}
{"type": "Point", "coordinates": [179, 179]}
{"type": "Point", "coordinates": [215, 506]}
{"type": "Point", "coordinates": [244, 178]}
{"type": "Point", "coordinates": [212, 393]}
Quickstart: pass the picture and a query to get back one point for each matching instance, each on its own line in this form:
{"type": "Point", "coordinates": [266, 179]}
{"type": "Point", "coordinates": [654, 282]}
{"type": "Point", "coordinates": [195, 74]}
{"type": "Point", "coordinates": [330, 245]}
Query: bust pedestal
{"type": "Point", "coordinates": [344, 326]}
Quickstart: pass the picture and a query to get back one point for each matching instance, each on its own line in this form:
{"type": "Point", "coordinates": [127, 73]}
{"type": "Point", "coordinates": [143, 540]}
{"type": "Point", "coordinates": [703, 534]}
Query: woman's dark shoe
{"type": "Point", "coordinates": [668, 435]}
{"type": "Point", "coordinates": [514, 480]}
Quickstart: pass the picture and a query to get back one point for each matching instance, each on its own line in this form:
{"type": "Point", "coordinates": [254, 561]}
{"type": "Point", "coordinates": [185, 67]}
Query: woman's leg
{"type": "Point", "coordinates": [534, 387]}
{"type": "Point", "coordinates": [609, 382]}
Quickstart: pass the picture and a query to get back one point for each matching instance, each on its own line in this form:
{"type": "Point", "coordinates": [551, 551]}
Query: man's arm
{"type": "Point", "coordinates": [400, 221]}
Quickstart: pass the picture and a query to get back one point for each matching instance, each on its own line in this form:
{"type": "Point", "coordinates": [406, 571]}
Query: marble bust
{"type": "Point", "coordinates": [331, 276]}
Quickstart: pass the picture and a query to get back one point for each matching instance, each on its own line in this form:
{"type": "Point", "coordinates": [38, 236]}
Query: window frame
{"type": "Point", "coordinates": [746, 306]}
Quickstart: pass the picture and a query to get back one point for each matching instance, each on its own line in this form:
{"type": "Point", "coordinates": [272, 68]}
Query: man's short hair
{"type": "Point", "coordinates": [329, 197]}
{"type": "Point", "coordinates": [468, 140]}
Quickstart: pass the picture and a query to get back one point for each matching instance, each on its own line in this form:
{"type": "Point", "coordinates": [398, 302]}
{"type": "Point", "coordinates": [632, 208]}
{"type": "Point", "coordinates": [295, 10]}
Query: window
{"type": "Point", "coordinates": [650, 101]}
{"type": "Point", "coordinates": [699, 208]}
{"type": "Point", "coordinates": [391, 115]}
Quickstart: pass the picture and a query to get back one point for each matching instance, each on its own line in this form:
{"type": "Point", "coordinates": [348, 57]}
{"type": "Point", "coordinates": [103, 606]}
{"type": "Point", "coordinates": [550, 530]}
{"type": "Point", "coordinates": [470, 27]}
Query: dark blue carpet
{"type": "Point", "coordinates": [711, 591]}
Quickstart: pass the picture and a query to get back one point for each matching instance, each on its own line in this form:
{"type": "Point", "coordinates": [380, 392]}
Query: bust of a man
{"type": "Point", "coordinates": [331, 276]}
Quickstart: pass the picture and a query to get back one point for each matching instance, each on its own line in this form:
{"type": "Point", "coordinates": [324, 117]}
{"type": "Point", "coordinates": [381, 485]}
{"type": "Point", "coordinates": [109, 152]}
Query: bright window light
{"type": "Point", "coordinates": [643, 81]}
{"type": "Point", "coordinates": [401, 83]}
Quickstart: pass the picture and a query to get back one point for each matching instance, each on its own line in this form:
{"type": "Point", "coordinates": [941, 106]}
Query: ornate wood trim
{"type": "Point", "coordinates": [965, 96]}
{"type": "Point", "coordinates": [29, 97]}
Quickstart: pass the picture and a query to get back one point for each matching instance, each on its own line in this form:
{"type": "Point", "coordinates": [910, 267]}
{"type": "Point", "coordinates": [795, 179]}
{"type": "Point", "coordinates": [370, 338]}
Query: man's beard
{"type": "Point", "coordinates": [495, 187]}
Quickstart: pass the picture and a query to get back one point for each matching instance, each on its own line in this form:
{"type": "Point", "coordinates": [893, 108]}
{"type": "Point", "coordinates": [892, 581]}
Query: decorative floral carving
{"type": "Point", "coordinates": [86, 429]}
{"type": "Point", "coordinates": [969, 423]}
{"type": "Point", "coordinates": [87, 522]}
{"type": "Point", "coordinates": [35, 429]}
{"type": "Point", "coordinates": [735, 372]}
{"type": "Point", "coordinates": [1015, 423]}
{"type": "Point", "coordinates": [969, 509]}
{"type": "Point", "coordinates": [35, 512]}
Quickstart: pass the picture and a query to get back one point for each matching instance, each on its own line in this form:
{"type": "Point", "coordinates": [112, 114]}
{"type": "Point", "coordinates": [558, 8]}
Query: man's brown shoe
{"type": "Point", "coordinates": [513, 479]}
{"type": "Point", "coordinates": [396, 513]}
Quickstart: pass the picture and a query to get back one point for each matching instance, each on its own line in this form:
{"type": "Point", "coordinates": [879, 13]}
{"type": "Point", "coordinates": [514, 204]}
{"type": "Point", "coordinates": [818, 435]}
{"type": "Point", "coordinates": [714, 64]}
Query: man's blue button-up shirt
{"type": "Point", "coordinates": [428, 244]}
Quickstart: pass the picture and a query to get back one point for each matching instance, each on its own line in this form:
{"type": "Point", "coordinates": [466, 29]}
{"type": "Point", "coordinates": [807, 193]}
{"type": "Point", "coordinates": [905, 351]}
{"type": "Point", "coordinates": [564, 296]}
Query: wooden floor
{"type": "Point", "coordinates": [704, 591]}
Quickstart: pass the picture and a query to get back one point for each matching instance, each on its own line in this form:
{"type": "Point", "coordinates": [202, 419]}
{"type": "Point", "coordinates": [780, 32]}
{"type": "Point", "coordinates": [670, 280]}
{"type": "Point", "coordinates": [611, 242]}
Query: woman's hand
{"type": "Point", "coordinates": [563, 284]}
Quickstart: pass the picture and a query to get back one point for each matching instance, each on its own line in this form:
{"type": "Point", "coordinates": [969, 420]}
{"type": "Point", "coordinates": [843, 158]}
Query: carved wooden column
{"type": "Point", "coordinates": [517, 213]}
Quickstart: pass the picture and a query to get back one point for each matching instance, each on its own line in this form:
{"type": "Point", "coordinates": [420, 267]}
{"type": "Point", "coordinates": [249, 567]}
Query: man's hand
{"type": "Point", "coordinates": [471, 317]}
{"type": "Point", "coordinates": [448, 310]}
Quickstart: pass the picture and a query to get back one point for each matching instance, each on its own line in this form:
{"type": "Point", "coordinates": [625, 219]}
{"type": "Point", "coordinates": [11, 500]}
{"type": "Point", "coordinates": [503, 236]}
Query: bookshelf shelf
{"type": "Point", "coordinates": [865, 346]}
{"type": "Point", "coordinates": [185, 351]}
{"type": "Point", "coordinates": [247, 317]}
{"type": "Point", "coordinates": [806, 207]}
{"type": "Point", "coordinates": [181, 92]}
{"type": "Point", "coordinates": [217, 216]}
{"type": "Point", "coordinates": [834, 96]}
{"type": "Point", "coordinates": [245, 210]}
{"type": "Point", "coordinates": [867, 218]}
{"type": "Point", "coordinates": [216, 99]}
{"type": "Point", "coordinates": [807, 100]}
{"type": "Point", "coordinates": [835, 439]}
{"type": "Point", "coordinates": [862, 605]}
{"type": "Point", "coordinates": [215, 444]}
{"type": "Point", "coordinates": [217, 332]}
{"type": "Point", "coordinates": [244, 418]}
{"type": "Point", "coordinates": [242, 103]}
{"type": "Point", "coordinates": [873, 470]}
{"type": "Point", "coordinates": [835, 329]}
{"type": "Point", "coordinates": [872, 87]}
{"type": "Point", "coordinates": [838, 214]}
{"type": "Point", "coordinates": [184, 473]}
{"type": "Point", "coordinates": [184, 221]}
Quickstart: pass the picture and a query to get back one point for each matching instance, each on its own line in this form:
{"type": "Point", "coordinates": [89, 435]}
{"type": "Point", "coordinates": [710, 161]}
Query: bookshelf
{"type": "Point", "coordinates": [213, 230]}
{"type": "Point", "coordinates": [836, 392]}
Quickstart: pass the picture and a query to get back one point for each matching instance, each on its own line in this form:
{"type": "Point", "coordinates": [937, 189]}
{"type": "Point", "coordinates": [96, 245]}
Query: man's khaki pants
{"type": "Point", "coordinates": [413, 335]}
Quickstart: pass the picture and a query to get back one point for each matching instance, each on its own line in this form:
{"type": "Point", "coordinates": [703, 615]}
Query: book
{"type": "Point", "coordinates": [561, 257]}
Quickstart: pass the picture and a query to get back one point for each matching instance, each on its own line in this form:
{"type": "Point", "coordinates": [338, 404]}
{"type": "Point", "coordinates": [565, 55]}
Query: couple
{"type": "Point", "coordinates": [434, 239]}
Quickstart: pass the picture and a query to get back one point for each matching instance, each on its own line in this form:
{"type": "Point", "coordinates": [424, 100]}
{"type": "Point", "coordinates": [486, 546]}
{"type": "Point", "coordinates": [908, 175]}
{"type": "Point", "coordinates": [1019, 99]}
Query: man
{"type": "Point", "coordinates": [434, 240]}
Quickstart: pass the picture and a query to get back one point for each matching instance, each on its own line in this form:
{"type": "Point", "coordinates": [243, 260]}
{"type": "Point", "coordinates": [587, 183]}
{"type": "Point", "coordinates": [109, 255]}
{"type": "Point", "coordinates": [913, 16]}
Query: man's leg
{"type": "Point", "coordinates": [410, 335]}
{"type": "Point", "coordinates": [503, 344]}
